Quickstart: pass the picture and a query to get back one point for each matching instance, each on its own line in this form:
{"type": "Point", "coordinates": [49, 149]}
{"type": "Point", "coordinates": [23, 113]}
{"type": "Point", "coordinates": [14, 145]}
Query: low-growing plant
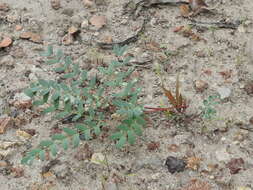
{"type": "Point", "coordinates": [88, 101]}
{"type": "Point", "coordinates": [208, 110]}
{"type": "Point", "coordinates": [178, 102]}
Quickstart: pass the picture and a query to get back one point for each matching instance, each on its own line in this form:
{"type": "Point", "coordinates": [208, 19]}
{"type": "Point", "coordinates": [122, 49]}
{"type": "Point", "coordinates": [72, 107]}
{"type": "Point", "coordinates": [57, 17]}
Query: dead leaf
{"type": "Point", "coordinates": [207, 72]}
{"type": "Point", "coordinates": [23, 104]}
{"type": "Point", "coordinates": [153, 145]}
{"type": "Point", "coordinates": [5, 42]}
{"type": "Point", "coordinates": [88, 3]}
{"type": "Point", "coordinates": [170, 97]}
{"type": "Point", "coordinates": [200, 85]}
{"type": "Point", "coordinates": [249, 88]}
{"type": "Point", "coordinates": [107, 39]}
{"type": "Point", "coordinates": [186, 31]}
{"type": "Point", "coordinates": [36, 38]}
{"type": "Point", "coordinates": [98, 21]}
{"type": "Point", "coordinates": [193, 162]}
{"type": "Point", "coordinates": [173, 148]}
{"type": "Point", "coordinates": [31, 36]}
{"type": "Point", "coordinates": [197, 185]}
{"type": "Point", "coordinates": [3, 163]}
{"type": "Point", "coordinates": [17, 172]}
{"type": "Point", "coordinates": [197, 4]}
{"type": "Point", "coordinates": [31, 132]}
{"type": "Point", "coordinates": [72, 30]}
{"type": "Point", "coordinates": [18, 27]}
{"type": "Point", "coordinates": [153, 46]}
{"type": "Point", "coordinates": [23, 134]}
{"type": "Point", "coordinates": [235, 165]}
{"type": "Point", "coordinates": [25, 35]}
{"type": "Point", "coordinates": [47, 174]}
{"type": "Point", "coordinates": [179, 28]}
{"type": "Point", "coordinates": [4, 145]}
{"type": "Point", "coordinates": [184, 10]}
{"type": "Point", "coordinates": [4, 7]}
{"type": "Point", "coordinates": [85, 152]}
{"type": "Point", "coordinates": [55, 4]}
{"type": "Point", "coordinates": [67, 39]}
{"type": "Point", "coordinates": [226, 74]}
{"type": "Point", "coordinates": [4, 123]}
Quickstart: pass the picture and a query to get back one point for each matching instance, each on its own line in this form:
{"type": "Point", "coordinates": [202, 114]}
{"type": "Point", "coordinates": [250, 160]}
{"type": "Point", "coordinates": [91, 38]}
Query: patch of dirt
{"type": "Point", "coordinates": [211, 59]}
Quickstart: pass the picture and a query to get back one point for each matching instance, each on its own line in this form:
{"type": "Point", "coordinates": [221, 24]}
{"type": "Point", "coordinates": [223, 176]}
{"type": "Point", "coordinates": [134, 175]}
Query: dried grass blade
{"type": "Point", "coordinates": [170, 97]}
{"type": "Point", "coordinates": [177, 91]}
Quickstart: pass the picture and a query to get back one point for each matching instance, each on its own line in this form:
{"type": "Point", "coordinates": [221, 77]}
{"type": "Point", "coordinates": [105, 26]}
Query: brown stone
{"type": "Point", "coordinates": [55, 4]}
{"type": "Point", "coordinates": [200, 85]}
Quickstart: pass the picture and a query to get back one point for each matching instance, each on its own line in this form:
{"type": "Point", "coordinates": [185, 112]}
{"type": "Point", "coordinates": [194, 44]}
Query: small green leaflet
{"type": "Point", "coordinates": [38, 102]}
{"type": "Point", "coordinates": [76, 140]}
{"type": "Point", "coordinates": [27, 159]}
{"type": "Point", "coordinates": [62, 115]}
{"type": "Point", "coordinates": [76, 117]}
{"type": "Point", "coordinates": [81, 127]}
{"type": "Point", "coordinates": [65, 144]}
{"type": "Point", "coordinates": [49, 52]}
{"type": "Point", "coordinates": [116, 136]}
{"type": "Point", "coordinates": [49, 109]}
{"type": "Point", "coordinates": [137, 129]}
{"type": "Point", "coordinates": [34, 152]}
{"type": "Point", "coordinates": [43, 82]}
{"type": "Point", "coordinates": [46, 143]}
{"type": "Point", "coordinates": [53, 149]}
{"type": "Point", "coordinates": [131, 137]}
{"type": "Point", "coordinates": [121, 142]}
{"type": "Point", "coordinates": [69, 131]}
{"type": "Point", "coordinates": [42, 155]}
{"type": "Point", "coordinates": [58, 137]}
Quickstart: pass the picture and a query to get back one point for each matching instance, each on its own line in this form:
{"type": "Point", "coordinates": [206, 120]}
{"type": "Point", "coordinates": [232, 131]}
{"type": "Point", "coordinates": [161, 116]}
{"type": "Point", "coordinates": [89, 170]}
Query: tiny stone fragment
{"type": "Point", "coordinates": [200, 85]}
{"type": "Point", "coordinates": [56, 4]}
{"type": "Point", "coordinates": [249, 88]}
{"type": "Point", "coordinates": [175, 165]}
{"type": "Point", "coordinates": [5, 42]}
{"type": "Point", "coordinates": [4, 7]}
{"type": "Point", "coordinates": [235, 165]}
{"type": "Point", "coordinates": [4, 123]}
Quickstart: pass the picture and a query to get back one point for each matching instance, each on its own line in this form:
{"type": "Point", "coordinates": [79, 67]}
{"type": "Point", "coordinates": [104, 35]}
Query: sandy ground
{"type": "Point", "coordinates": [221, 61]}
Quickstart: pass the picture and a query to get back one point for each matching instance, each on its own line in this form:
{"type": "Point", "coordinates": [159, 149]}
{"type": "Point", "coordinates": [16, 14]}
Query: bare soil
{"type": "Point", "coordinates": [219, 151]}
